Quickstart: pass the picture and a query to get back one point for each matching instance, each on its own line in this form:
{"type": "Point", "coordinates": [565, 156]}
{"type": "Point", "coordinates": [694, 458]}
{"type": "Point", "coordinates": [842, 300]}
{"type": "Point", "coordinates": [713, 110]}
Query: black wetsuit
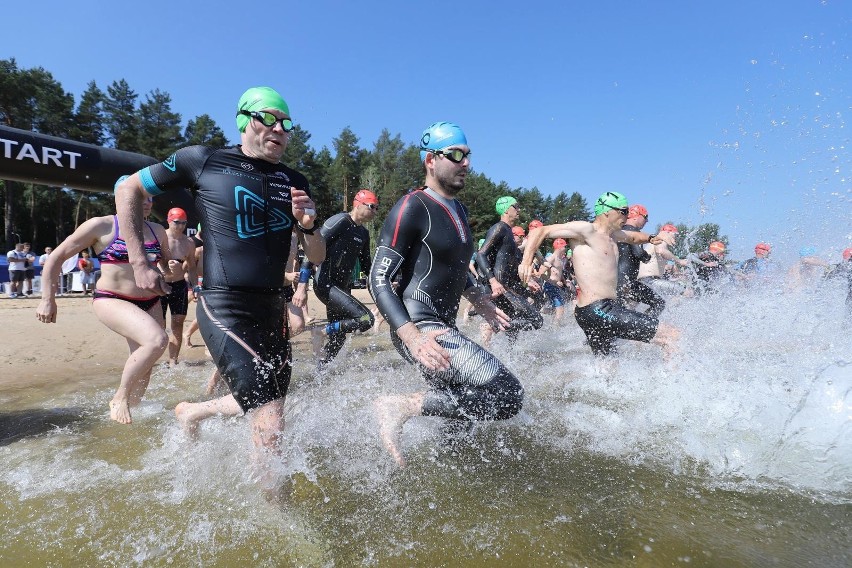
{"type": "Point", "coordinates": [707, 278]}
{"type": "Point", "coordinates": [499, 257]}
{"type": "Point", "coordinates": [630, 289]}
{"type": "Point", "coordinates": [346, 244]}
{"type": "Point", "coordinates": [246, 212]}
{"type": "Point", "coordinates": [427, 243]}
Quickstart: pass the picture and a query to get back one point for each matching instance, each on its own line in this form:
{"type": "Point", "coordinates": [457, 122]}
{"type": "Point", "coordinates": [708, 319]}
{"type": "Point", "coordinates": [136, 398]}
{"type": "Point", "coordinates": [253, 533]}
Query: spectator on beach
{"type": "Point", "coordinates": [43, 258]}
{"type": "Point", "coordinates": [17, 270]}
{"type": "Point", "coordinates": [87, 272]}
{"type": "Point", "coordinates": [29, 268]}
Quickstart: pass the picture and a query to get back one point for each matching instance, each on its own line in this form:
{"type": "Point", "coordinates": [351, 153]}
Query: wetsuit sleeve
{"type": "Point", "coordinates": [334, 226]}
{"type": "Point", "coordinates": [364, 257]}
{"type": "Point", "coordinates": [179, 171]}
{"type": "Point", "coordinates": [492, 244]}
{"type": "Point", "coordinates": [401, 230]}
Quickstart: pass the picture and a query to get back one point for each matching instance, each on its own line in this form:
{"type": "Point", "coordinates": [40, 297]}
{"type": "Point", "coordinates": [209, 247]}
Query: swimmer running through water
{"type": "Point", "coordinates": [595, 259]}
{"type": "Point", "coordinates": [427, 241]}
{"type": "Point", "coordinates": [119, 303]}
{"type": "Point", "coordinates": [241, 309]}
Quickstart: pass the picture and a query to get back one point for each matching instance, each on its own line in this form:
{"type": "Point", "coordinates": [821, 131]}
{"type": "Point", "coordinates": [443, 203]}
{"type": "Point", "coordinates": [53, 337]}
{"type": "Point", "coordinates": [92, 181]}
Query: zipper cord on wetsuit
{"type": "Point", "coordinates": [266, 218]}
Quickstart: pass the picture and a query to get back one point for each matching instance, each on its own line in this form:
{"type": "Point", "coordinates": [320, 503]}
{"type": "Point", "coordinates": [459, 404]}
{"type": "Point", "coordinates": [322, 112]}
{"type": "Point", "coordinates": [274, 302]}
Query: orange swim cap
{"type": "Point", "coordinates": [366, 196]}
{"type": "Point", "coordinates": [717, 247]}
{"type": "Point", "coordinates": [176, 214]}
{"type": "Point", "coordinates": [518, 231]}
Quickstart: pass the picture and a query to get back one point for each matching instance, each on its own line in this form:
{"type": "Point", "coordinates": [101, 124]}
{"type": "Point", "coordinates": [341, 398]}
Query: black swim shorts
{"type": "Point", "coordinates": [604, 320]}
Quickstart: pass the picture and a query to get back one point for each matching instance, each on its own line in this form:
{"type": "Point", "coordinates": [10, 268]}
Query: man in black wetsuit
{"type": "Point", "coordinates": [497, 262]}
{"type": "Point", "coordinates": [630, 289]}
{"type": "Point", "coordinates": [427, 242]}
{"type": "Point", "coordinates": [249, 204]}
{"type": "Point", "coordinates": [347, 242]}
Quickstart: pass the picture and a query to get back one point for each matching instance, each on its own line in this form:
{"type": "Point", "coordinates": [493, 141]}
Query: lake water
{"type": "Point", "coordinates": [737, 452]}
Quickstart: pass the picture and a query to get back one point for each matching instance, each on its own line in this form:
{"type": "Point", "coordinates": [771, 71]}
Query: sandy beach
{"type": "Point", "coordinates": [33, 353]}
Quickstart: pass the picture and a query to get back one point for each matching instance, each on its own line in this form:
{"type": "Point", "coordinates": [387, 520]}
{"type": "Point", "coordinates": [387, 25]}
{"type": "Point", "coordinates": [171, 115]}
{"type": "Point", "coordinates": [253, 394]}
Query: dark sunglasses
{"type": "Point", "coordinates": [372, 206]}
{"type": "Point", "coordinates": [268, 119]}
{"type": "Point", "coordinates": [455, 155]}
{"type": "Point", "coordinates": [178, 222]}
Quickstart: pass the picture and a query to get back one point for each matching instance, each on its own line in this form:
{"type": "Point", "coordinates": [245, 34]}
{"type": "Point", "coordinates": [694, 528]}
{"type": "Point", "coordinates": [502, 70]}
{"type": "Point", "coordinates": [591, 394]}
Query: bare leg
{"type": "Point", "coordinates": [147, 341]}
{"type": "Point", "coordinates": [187, 338]}
{"type": "Point", "coordinates": [392, 412]}
{"type": "Point", "coordinates": [215, 379]}
{"type": "Point", "coordinates": [666, 337]}
{"type": "Point", "coordinates": [296, 319]}
{"type": "Point", "coordinates": [486, 332]}
{"type": "Point", "coordinates": [190, 414]}
{"type": "Point", "coordinates": [175, 338]}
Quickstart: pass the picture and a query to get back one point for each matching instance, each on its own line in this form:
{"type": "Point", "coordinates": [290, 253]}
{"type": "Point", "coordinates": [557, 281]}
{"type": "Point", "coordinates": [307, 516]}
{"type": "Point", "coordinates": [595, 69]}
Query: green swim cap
{"type": "Point", "coordinates": [504, 203]}
{"type": "Point", "coordinates": [259, 98]}
{"type": "Point", "coordinates": [480, 243]}
{"type": "Point", "coordinates": [609, 200]}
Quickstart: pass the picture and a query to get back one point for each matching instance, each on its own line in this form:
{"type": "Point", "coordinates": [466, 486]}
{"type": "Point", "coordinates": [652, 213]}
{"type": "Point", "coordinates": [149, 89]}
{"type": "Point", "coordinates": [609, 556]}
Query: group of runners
{"type": "Point", "coordinates": [256, 212]}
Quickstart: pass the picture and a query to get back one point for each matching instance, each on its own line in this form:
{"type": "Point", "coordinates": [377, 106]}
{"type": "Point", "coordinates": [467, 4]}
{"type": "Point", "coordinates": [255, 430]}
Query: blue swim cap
{"type": "Point", "coordinates": [807, 251]}
{"type": "Point", "coordinates": [439, 136]}
{"type": "Point", "coordinates": [259, 98]}
{"type": "Point", "coordinates": [118, 181]}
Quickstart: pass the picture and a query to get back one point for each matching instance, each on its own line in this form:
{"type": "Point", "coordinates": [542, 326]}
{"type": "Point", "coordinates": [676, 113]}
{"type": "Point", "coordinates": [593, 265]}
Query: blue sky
{"type": "Point", "coordinates": [732, 112]}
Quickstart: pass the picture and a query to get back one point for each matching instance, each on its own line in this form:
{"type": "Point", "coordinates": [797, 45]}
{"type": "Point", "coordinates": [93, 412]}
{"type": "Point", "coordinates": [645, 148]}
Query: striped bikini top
{"type": "Point", "coordinates": [116, 251]}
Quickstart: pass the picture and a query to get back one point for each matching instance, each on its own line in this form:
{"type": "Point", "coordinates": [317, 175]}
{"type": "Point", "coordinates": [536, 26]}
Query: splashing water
{"type": "Point", "coordinates": [735, 452]}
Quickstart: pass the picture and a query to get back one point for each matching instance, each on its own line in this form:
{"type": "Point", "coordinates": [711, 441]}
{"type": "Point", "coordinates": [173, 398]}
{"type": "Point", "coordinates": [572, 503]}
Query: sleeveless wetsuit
{"type": "Point", "coordinates": [426, 242]}
{"type": "Point", "coordinates": [347, 243]}
{"type": "Point", "coordinates": [246, 212]}
{"type": "Point", "coordinates": [630, 289]}
{"type": "Point", "coordinates": [499, 257]}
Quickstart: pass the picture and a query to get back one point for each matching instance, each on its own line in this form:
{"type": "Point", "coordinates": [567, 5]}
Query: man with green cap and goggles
{"type": "Point", "coordinates": [250, 205]}
{"type": "Point", "coordinates": [595, 261]}
{"type": "Point", "coordinates": [497, 263]}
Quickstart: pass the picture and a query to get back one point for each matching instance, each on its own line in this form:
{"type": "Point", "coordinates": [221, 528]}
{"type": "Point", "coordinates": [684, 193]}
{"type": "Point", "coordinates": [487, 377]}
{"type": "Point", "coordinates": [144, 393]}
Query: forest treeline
{"type": "Point", "coordinates": [31, 99]}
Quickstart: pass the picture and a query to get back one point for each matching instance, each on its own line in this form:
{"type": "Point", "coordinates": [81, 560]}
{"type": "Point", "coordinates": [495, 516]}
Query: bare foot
{"type": "Point", "coordinates": [120, 411]}
{"type": "Point", "coordinates": [187, 339]}
{"type": "Point", "coordinates": [188, 421]}
{"type": "Point", "coordinates": [212, 382]}
{"type": "Point", "coordinates": [391, 416]}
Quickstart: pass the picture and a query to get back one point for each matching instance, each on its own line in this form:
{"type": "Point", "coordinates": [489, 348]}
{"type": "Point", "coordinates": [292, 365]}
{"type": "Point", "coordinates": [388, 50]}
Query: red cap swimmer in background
{"type": "Point", "coordinates": [847, 254]}
{"type": "Point", "coordinates": [366, 197]}
{"type": "Point", "coordinates": [669, 228]}
{"type": "Point", "coordinates": [762, 249]}
{"type": "Point", "coordinates": [518, 231]}
{"type": "Point", "coordinates": [559, 244]}
{"type": "Point", "coordinates": [176, 214]}
{"type": "Point", "coordinates": [637, 211]}
{"type": "Point", "coordinates": [717, 248]}
{"type": "Point", "coordinates": [534, 224]}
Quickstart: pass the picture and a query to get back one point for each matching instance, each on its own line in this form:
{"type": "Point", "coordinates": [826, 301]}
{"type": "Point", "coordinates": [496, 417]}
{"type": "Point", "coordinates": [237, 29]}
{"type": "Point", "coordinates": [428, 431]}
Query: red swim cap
{"type": "Point", "coordinates": [559, 243]}
{"type": "Point", "coordinates": [637, 211]}
{"type": "Point", "coordinates": [518, 231]}
{"type": "Point", "coordinates": [366, 196]}
{"type": "Point", "coordinates": [762, 248]}
{"type": "Point", "coordinates": [717, 247]}
{"type": "Point", "coordinates": [669, 228]}
{"type": "Point", "coordinates": [847, 254]}
{"type": "Point", "coordinates": [535, 224]}
{"type": "Point", "coordinates": [176, 214]}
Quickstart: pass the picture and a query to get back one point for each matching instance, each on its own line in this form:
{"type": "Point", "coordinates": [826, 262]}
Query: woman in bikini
{"type": "Point", "coordinates": [118, 303]}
